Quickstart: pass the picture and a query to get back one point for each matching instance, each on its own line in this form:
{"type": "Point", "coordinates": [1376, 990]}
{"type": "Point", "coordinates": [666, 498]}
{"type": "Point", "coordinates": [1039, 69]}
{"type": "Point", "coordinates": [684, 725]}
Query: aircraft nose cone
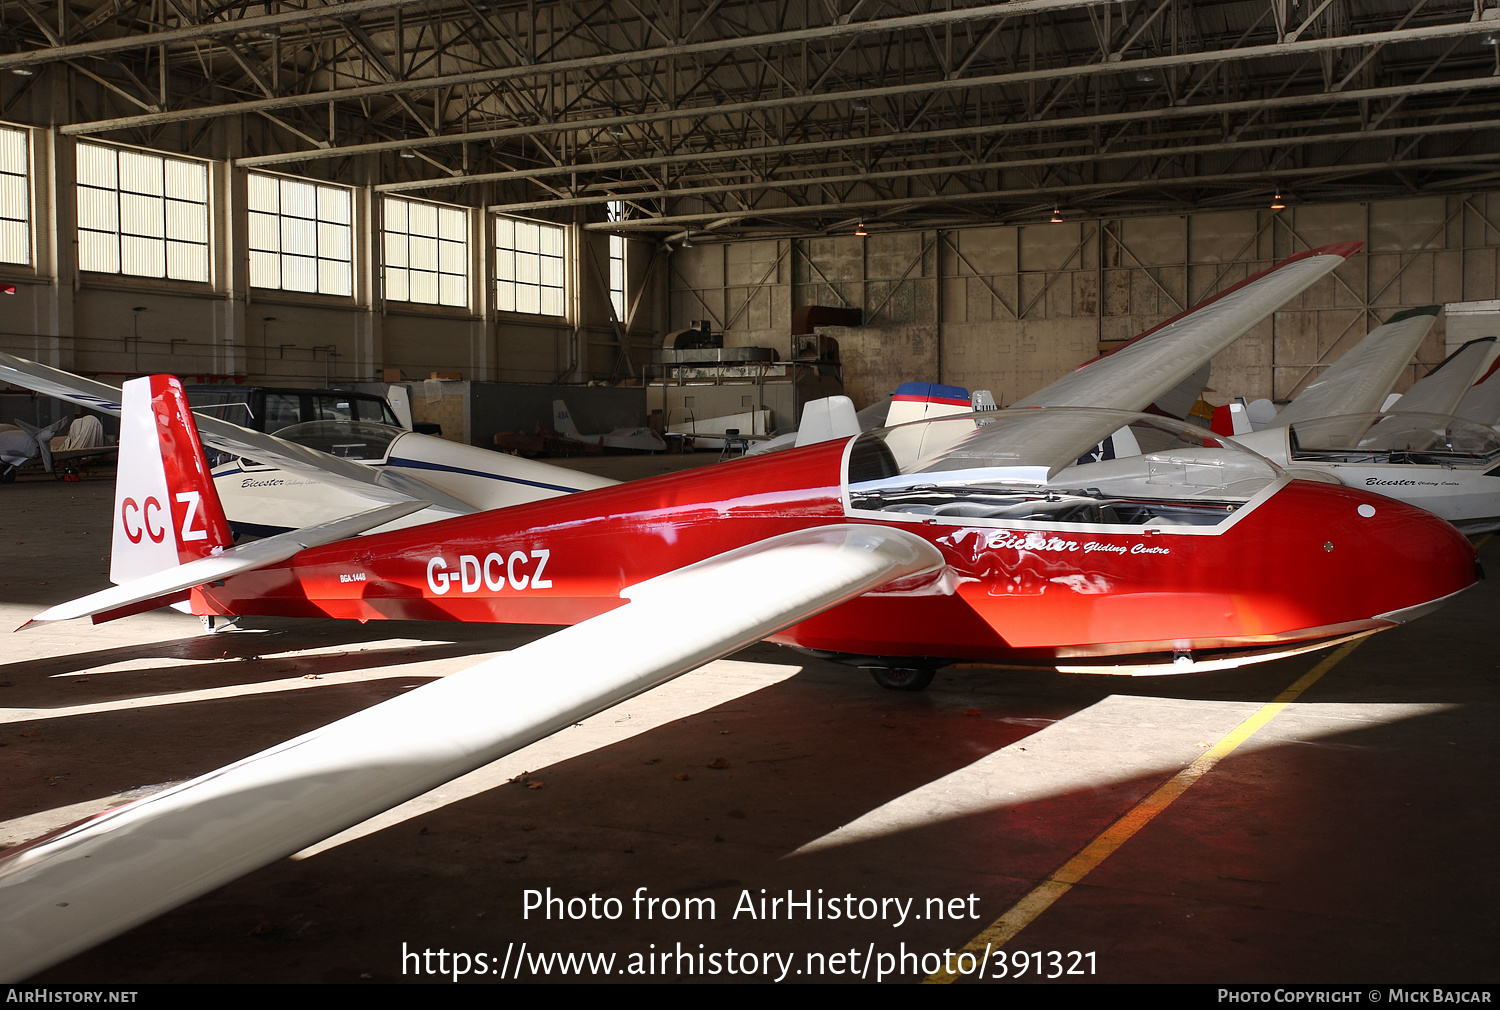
{"type": "Point", "coordinates": [1385, 558]}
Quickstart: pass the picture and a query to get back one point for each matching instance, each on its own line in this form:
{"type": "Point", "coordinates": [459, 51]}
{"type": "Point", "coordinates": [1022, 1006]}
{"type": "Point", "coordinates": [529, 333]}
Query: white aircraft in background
{"type": "Point", "coordinates": [1417, 451]}
{"type": "Point", "coordinates": [634, 439]}
{"type": "Point", "coordinates": [318, 471]}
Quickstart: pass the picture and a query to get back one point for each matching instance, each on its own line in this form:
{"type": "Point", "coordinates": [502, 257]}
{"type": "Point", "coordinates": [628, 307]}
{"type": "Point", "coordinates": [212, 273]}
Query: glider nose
{"type": "Point", "coordinates": [1396, 561]}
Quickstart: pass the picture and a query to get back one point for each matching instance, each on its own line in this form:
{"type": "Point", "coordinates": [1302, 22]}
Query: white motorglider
{"type": "Point", "coordinates": [1418, 452]}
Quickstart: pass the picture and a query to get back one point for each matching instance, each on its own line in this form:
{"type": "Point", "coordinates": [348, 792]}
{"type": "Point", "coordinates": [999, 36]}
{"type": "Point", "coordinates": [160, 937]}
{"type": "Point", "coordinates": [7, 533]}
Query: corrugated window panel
{"type": "Point", "coordinates": [143, 257]}
{"type": "Point", "coordinates": [424, 253]}
{"type": "Point", "coordinates": [13, 152]}
{"type": "Point", "coordinates": [394, 213]}
{"type": "Point", "coordinates": [453, 290]}
{"type": "Point", "coordinates": [528, 237]}
{"type": "Point", "coordinates": [333, 204]}
{"type": "Point", "coordinates": [187, 261]}
{"type": "Point", "coordinates": [552, 271]}
{"type": "Point", "coordinates": [187, 180]}
{"type": "Point", "coordinates": [15, 242]}
{"type": "Point", "coordinates": [141, 215]}
{"type": "Point", "coordinates": [551, 239]}
{"type": "Point", "coordinates": [552, 302]}
{"type": "Point", "coordinates": [453, 257]}
{"type": "Point", "coordinates": [528, 298]}
{"type": "Point", "coordinates": [99, 252]}
{"type": "Point", "coordinates": [505, 297]}
{"type": "Point", "coordinates": [505, 233]}
{"type": "Point", "coordinates": [424, 219]}
{"type": "Point", "coordinates": [453, 224]}
{"type": "Point", "coordinates": [505, 265]}
{"type": "Point", "coordinates": [395, 285]}
{"type": "Point", "coordinates": [299, 273]}
{"type": "Point", "coordinates": [335, 278]}
{"type": "Point", "coordinates": [395, 250]}
{"type": "Point", "coordinates": [265, 270]}
{"type": "Point", "coordinates": [186, 221]}
{"type": "Point", "coordinates": [141, 173]}
{"type": "Point", "coordinates": [264, 193]}
{"type": "Point", "coordinates": [334, 241]}
{"type": "Point", "coordinates": [299, 237]}
{"type": "Point", "coordinates": [299, 199]}
{"type": "Point", "coordinates": [528, 268]}
{"type": "Point", "coordinates": [424, 287]}
{"type": "Point", "coordinates": [96, 166]}
{"type": "Point", "coordinates": [98, 209]}
{"type": "Point", "coordinates": [265, 232]}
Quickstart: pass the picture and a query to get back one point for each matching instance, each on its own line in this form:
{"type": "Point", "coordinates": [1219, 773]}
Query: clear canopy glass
{"type": "Point", "coordinates": [361, 440]}
{"type": "Point", "coordinates": [1430, 439]}
{"type": "Point", "coordinates": [1056, 465]}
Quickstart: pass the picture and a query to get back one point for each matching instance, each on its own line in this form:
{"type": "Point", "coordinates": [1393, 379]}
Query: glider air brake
{"type": "Point", "coordinates": [1086, 538]}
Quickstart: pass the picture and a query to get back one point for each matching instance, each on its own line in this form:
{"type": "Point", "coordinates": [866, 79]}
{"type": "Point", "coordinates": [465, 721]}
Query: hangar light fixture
{"type": "Point", "coordinates": [859, 230]}
{"type": "Point", "coordinates": [1277, 203]}
{"type": "Point", "coordinates": [1057, 214]}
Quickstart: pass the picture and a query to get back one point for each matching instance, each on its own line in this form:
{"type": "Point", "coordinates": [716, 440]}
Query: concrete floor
{"type": "Point", "coordinates": [1350, 840]}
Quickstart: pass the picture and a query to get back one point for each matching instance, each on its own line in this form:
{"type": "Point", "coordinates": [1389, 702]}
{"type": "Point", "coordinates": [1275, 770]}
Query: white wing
{"type": "Point", "coordinates": [1358, 382]}
{"type": "Point", "coordinates": [1441, 390]}
{"type": "Point", "coordinates": [382, 486]}
{"type": "Point", "coordinates": [102, 876]}
{"type": "Point", "coordinates": [1156, 361]}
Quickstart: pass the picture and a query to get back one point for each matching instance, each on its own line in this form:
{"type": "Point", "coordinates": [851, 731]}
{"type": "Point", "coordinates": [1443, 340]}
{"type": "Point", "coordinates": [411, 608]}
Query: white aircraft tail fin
{"type": "Point", "coordinates": [916, 401]}
{"type": "Point", "coordinates": [400, 400]}
{"type": "Point", "coordinates": [827, 419]}
{"type": "Point", "coordinates": [562, 420]}
{"type": "Point", "coordinates": [167, 512]}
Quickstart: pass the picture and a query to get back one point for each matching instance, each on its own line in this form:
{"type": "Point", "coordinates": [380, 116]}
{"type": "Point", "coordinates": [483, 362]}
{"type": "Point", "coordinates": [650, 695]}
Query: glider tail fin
{"type": "Point", "coordinates": [167, 512]}
{"type": "Point", "coordinates": [562, 420]}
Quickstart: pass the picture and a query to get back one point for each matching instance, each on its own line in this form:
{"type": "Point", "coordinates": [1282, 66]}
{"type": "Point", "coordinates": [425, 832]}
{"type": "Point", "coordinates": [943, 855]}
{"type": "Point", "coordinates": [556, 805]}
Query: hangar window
{"type": "Point", "coordinates": [15, 197]}
{"type": "Point", "coordinates": [617, 262]}
{"type": "Point", "coordinates": [426, 252]}
{"type": "Point", "coordinates": [142, 214]}
{"type": "Point", "coordinates": [301, 236]}
{"type": "Point", "coordinates": [529, 274]}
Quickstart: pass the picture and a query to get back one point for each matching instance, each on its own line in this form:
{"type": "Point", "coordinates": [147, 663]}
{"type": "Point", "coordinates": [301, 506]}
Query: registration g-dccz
{"type": "Point", "coordinates": [519, 569]}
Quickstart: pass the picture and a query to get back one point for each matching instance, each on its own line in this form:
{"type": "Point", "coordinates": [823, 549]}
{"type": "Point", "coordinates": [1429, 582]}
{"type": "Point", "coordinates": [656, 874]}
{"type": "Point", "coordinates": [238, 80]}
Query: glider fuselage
{"type": "Point", "coordinates": [1302, 563]}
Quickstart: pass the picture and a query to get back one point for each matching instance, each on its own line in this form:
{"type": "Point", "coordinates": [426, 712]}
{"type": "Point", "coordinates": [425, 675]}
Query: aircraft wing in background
{"type": "Point", "coordinates": [1137, 374]}
{"type": "Point", "coordinates": [1360, 380]}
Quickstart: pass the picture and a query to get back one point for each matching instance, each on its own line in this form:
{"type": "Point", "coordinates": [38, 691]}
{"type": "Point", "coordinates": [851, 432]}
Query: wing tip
{"type": "Point", "coordinates": [1420, 310]}
{"type": "Point", "coordinates": [1341, 249]}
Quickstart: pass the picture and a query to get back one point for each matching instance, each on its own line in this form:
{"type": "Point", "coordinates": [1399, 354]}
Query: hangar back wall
{"type": "Point", "coordinates": [1010, 308]}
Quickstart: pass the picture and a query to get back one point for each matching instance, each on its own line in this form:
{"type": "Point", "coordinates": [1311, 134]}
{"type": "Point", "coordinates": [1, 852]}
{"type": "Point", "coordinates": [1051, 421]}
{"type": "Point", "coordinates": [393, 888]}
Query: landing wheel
{"type": "Point", "coordinates": [902, 678]}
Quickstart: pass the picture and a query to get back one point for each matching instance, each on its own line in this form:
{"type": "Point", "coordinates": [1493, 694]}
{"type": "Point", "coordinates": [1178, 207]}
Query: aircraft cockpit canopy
{"type": "Point", "coordinates": [1421, 439]}
{"type": "Point", "coordinates": [367, 441]}
{"type": "Point", "coordinates": [1057, 465]}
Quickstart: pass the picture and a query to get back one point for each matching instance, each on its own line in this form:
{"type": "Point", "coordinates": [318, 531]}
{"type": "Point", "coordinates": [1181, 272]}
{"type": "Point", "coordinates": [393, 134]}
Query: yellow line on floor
{"type": "Point", "coordinates": [1024, 912]}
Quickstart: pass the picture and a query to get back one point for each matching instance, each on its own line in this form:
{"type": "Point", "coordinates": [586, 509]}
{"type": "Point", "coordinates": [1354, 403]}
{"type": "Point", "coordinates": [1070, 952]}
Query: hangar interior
{"type": "Point", "coordinates": [323, 193]}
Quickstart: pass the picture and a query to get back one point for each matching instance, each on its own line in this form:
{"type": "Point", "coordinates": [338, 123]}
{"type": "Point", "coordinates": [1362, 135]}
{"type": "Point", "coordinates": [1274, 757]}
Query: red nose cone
{"type": "Point", "coordinates": [1353, 555]}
